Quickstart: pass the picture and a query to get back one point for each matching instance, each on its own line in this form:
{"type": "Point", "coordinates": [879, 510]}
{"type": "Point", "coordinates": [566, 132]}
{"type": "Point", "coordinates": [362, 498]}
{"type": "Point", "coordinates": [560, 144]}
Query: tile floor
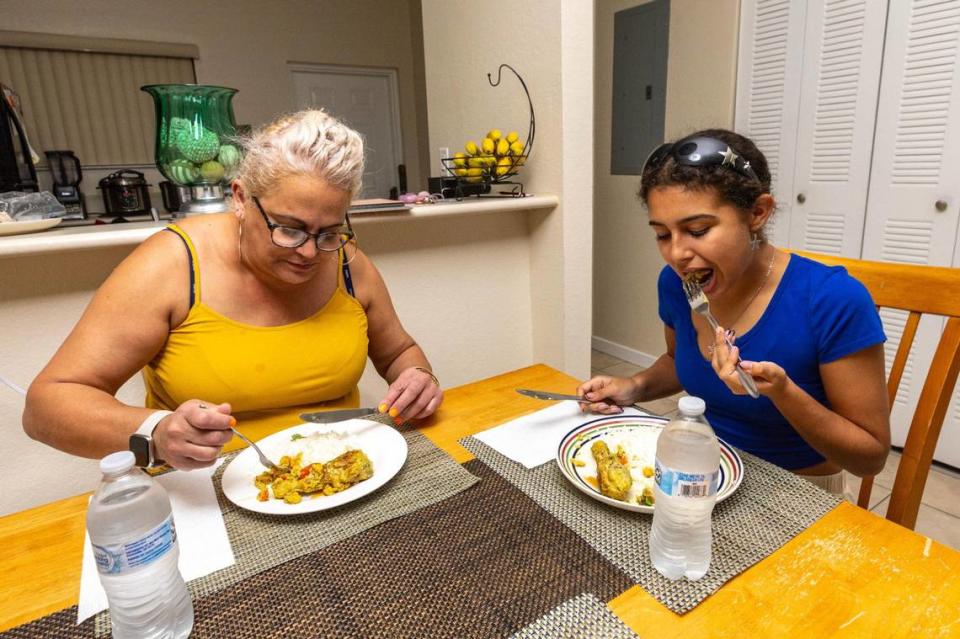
{"type": "Point", "coordinates": [939, 516]}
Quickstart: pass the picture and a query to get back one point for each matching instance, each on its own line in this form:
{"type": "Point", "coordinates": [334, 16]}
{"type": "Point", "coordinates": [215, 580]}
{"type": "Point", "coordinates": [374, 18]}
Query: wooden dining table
{"type": "Point", "coordinates": [850, 574]}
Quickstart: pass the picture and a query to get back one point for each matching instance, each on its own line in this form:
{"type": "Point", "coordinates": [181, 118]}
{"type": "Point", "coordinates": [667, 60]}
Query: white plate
{"type": "Point", "coordinates": [386, 448]}
{"type": "Point", "coordinates": [27, 226]}
{"type": "Point", "coordinates": [575, 446]}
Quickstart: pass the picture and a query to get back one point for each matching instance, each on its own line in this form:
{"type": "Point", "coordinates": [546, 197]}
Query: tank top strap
{"type": "Point", "coordinates": [345, 271]}
{"type": "Point", "coordinates": [194, 263]}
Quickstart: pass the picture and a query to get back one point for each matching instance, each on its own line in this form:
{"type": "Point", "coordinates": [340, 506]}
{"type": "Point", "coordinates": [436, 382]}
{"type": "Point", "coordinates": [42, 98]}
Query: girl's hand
{"type": "Point", "coordinates": [194, 434]}
{"type": "Point", "coordinates": [769, 377]}
{"type": "Point", "coordinates": [606, 394]}
{"type": "Point", "coordinates": [413, 395]}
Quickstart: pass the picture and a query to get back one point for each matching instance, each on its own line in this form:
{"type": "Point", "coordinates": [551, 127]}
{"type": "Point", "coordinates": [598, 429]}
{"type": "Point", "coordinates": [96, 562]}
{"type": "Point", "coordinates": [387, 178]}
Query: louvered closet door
{"type": "Point", "coordinates": [843, 48]}
{"type": "Point", "coordinates": [768, 92]}
{"type": "Point", "coordinates": [916, 164]}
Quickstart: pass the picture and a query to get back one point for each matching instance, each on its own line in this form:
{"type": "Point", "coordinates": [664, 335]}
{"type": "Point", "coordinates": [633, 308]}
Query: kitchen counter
{"type": "Point", "coordinates": [77, 238]}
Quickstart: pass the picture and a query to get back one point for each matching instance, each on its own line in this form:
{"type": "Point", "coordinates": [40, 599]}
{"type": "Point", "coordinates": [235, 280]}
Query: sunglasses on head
{"type": "Point", "coordinates": [700, 151]}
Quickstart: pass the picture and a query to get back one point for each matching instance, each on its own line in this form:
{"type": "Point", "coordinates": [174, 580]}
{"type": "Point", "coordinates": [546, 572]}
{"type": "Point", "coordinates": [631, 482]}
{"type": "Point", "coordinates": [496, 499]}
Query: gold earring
{"type": "Point", "coordinates": [240, 239]}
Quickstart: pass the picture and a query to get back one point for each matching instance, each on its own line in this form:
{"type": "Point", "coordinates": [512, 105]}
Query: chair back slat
{"type": "Point", "coordinates": [918, 290]}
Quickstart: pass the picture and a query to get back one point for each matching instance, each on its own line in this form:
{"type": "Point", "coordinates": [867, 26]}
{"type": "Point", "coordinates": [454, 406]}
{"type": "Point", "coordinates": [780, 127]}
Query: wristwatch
{"type": "Point", "coordinates": [141, 441]}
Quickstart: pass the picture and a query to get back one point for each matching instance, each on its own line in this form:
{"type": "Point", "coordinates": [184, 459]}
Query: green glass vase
{"type": "Point", "coordinates": [195, 144]}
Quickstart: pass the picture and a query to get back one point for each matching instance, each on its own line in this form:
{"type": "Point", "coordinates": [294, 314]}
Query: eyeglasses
{"type": "Point", "coordinates": [700, 151]}
{"type": "Point", "coordinates": [291, 237]}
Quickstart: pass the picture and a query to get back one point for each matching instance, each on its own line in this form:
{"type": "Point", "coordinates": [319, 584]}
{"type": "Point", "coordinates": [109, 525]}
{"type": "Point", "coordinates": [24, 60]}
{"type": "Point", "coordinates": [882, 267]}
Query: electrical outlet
{"type": "Point", "coordinates": [444, 153]}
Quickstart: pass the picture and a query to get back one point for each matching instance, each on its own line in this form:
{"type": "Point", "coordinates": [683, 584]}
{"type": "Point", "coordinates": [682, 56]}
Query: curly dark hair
{"type": "Point", "coordinates": [731, 186]}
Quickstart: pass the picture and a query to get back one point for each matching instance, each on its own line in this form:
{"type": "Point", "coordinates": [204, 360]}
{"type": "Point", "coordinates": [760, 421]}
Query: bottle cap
{"type": "Point", "coordinates": [691, 405]}
{"type": "Point", "coordinates": [116, 463]}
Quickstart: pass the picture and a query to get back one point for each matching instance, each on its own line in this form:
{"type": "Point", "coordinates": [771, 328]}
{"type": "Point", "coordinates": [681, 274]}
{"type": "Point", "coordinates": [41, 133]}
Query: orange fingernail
{"type": "Point", "coordinates": [394, 412]}
{"type": "Point", "coordinates": [382, 407]}
{"type": "Point", "coordinates": [233, 422]}
{"type": "Point", "coordinates": [398, 421]}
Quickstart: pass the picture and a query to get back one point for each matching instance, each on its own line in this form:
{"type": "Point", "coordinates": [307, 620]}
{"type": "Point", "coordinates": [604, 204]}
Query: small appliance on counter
{"type": "Point", "coordinates": [174, 197]}
{"type": "Point", "coordinates": [125, 193]}
{"type": "Point", "coordinates": [66, 173]}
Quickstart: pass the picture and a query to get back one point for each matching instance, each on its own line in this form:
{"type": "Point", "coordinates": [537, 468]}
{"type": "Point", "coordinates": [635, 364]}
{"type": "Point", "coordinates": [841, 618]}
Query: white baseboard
{"type": "Point", "coordinates": [625, 353]}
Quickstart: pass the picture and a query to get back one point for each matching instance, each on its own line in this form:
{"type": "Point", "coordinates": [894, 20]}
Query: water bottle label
{"type": "Point", "coordinates": [677, 484]}
{"type": "Point", "coordinates": [121, 558]}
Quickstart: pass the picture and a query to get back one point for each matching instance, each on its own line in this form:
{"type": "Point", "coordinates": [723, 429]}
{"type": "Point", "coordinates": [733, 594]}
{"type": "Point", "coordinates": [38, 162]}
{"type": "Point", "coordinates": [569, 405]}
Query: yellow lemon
{"type": "Point", "coordinates": [516, 148]}
{"type": "Point", "coordinates": [494, 134]}
{"type": "Point", "coordinates": [488, 145]}
{"type": "Point", "coordinates": [474, 175]}
{"type": "Point", "coordinates": [504, 165]}
{"type": "Point", "coordinates": [461, 172]}
{"type": "Point", "coordinates": [503, 147]}
{"type": "Point", "coordinates": [512, 137]}
{"type": "Point", "coordinates": [471, 148]}
{"type": "Point", "coordinates": [459, 160]}
{"type": "Point", "coordinates": [478, 161]}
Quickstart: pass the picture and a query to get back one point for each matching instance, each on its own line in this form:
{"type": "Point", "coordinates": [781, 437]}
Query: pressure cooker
{"type": "Point", "coordinates": [125, 193]}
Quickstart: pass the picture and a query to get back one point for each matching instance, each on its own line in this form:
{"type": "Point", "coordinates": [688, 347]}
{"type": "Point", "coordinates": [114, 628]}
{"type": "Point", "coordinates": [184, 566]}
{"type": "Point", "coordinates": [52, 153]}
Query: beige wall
{"type": "Point", "coordinates": [701, 86]}
{"type": "Point", "coordinates": [246, 44]}
{"type": "Point", "coordinates": [463, 42]}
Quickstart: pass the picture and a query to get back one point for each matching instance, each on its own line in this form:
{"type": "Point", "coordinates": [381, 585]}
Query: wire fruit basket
{"type": "Point", "coordinates": [475, 173]}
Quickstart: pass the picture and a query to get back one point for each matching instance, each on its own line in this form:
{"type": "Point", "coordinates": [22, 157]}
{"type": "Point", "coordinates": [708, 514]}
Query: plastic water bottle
{"type": "Point", "coordinates": [135, 546]}
{"type": "Point", "coordinates": [686, 475]}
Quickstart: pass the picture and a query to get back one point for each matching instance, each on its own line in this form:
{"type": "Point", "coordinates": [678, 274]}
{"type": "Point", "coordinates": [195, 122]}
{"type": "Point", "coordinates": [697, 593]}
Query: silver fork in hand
{"type": "Point", "coordinates": [700, 304]}
{"type": "Point", "coordinates": [263, 458]}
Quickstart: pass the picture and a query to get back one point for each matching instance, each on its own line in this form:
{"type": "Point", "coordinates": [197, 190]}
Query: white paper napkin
{"type": "Point", "coordinates": [533, 439]}
{"type": "Point", "coordinates": [201, 535]}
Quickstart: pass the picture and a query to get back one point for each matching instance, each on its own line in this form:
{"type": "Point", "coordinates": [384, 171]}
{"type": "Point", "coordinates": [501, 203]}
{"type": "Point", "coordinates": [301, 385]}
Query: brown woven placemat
{"type": "Point", "coordinates": [771, 507]}
{"type": "Point", "coordinates": [583, 617]}
{"type": "Point", "coordinates": [485, 563]}
{"type": "Point", "coordinates": [262, 541]}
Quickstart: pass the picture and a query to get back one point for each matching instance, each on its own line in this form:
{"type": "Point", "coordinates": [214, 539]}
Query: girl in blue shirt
{"type": "Point", "coordinates": [809, 334]}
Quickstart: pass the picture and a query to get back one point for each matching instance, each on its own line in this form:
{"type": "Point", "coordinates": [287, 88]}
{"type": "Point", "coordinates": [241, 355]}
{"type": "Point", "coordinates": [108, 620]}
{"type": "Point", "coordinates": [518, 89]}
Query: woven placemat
{"type": "Point", "coordinates": [262, 541]}
{"type": "Point", "coordinates": [583, 617]}
{"type": "Point", "coordinates": [486, 563]}
{"type": "Point", "coordinates": [771, 507]}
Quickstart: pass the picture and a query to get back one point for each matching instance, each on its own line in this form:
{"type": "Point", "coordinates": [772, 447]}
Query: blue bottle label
{"type": "Point", "coordinates": [121, 558]}
{"type": "Point", "coordinates": [677, 484]}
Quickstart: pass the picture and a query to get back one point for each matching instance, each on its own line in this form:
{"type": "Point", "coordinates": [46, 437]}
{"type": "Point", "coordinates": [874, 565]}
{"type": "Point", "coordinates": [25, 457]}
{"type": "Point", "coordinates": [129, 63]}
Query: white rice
{"type": "Point", "coordinates": [319, 448]}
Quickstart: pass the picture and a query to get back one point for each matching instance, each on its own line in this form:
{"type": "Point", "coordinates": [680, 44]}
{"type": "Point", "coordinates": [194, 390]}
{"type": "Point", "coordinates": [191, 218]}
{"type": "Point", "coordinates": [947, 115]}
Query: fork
{"type": "Point", "coordinates": [263, 458]}
{"type": "Point", "coordinates": [701, 305]}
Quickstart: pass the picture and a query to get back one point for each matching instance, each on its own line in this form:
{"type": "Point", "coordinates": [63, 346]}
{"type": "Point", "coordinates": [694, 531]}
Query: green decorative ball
{"type": "Point", "coordinates": [183, 172]}
{"type": "Point", "coordinates": [212, 171]}
{"type": "Point", "coordinates": [229, 156]}
{"type": "Point", "coordinates": [198, 146]}
{"type": "Point", "coordinates": [177, 126]}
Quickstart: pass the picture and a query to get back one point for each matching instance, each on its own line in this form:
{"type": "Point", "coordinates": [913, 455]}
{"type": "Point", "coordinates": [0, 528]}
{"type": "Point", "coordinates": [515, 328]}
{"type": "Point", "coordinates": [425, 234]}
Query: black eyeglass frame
{"type": "Point", "coordinates": [344, 236]}
{"type": "Point", "coordinates": [700, 151]}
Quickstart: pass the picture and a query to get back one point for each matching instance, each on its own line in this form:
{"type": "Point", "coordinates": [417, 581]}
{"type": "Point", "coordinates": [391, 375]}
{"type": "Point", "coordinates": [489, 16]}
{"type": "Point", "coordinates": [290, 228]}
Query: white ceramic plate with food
{"type": "Point", "coordinates": [27, 226]}
{"type": "Point", "coordinates": [386, 448]}
{"type": "Point", "coordinates": [638, 436]}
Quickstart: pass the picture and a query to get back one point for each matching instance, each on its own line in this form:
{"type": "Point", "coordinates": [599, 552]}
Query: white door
{"type": "Point", "coordinates": [916, 153]}
{"type": "Point", "coordinates": [367, 100]}
{"type": "Point", "coordinates": [842, 53]}
{"type": "Point", "coordinates": [769, 69]}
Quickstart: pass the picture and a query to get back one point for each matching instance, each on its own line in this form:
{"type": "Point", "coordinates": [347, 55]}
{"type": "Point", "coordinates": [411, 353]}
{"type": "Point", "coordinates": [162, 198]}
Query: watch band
{"type": "Point", "coordinates": [150, 423]}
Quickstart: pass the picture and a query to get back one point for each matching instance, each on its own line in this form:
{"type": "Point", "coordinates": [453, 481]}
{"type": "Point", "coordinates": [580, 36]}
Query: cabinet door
{"type": "Point", "coordinates": [768, 92]}
{"type": "Point", "coordinates": [916, 156]}
{"type": "Point", "coordinates": [842, 53]}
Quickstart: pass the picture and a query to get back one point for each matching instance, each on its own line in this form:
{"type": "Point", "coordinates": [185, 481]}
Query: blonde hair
{"type": "Point", "coordinates": [310, 142]}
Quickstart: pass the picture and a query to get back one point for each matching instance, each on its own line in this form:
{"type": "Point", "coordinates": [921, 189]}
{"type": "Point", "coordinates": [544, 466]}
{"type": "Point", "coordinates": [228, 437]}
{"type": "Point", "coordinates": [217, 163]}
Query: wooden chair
{"type": "Point", "coordinates": [918, 290]}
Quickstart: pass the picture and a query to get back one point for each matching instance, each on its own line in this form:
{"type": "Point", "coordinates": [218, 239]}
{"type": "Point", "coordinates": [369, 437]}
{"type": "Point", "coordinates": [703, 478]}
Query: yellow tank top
{"type": "Point", "coordinates": [269, 374]}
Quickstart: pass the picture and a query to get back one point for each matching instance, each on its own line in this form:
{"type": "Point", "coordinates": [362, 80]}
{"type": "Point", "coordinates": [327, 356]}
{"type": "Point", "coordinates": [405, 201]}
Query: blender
{"type": "Point", "coordinates": [66, 174]}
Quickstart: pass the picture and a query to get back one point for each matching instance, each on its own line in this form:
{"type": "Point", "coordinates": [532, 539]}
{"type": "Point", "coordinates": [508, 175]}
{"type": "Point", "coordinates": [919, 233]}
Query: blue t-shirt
{"type": "Point", "coordinates": [817, 315]}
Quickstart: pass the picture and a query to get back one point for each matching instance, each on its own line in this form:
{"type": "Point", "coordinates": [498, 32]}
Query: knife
{"type": "Point", "coordinates": [330, 416]}
{"type": "Point", "coordinates": [547, 396]}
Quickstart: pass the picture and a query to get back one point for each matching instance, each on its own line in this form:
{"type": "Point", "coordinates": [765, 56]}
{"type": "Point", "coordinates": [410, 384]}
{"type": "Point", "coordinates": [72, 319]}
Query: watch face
{"type": "Point", "coordinates": [140, 446]}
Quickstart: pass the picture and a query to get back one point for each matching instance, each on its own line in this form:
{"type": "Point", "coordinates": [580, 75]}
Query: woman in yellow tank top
{"type": "Point", "coordinates": [243, 319]}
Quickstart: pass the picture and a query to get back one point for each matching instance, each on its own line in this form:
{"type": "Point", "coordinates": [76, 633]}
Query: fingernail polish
{"type": "Point", "coordinates": [233, 422]}
{"type": "Point", "coordinates": [382, 407]}
{"type": "Point", "coordinates": [398, 421]}
{"type": "Point", "coordinates": [394, 412]}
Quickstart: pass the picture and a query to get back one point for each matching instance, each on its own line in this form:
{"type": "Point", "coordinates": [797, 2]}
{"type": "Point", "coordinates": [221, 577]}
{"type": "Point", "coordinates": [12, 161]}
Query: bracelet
{"type": "Point", "coordinates": [428, 372]}
{"type": "Point", "coordinates": [150, 423]}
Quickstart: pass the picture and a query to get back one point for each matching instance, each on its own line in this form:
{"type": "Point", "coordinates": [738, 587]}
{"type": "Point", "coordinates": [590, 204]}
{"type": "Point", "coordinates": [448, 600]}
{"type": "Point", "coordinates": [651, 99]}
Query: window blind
{"type": "Point", "coordinates": [87, 98]}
